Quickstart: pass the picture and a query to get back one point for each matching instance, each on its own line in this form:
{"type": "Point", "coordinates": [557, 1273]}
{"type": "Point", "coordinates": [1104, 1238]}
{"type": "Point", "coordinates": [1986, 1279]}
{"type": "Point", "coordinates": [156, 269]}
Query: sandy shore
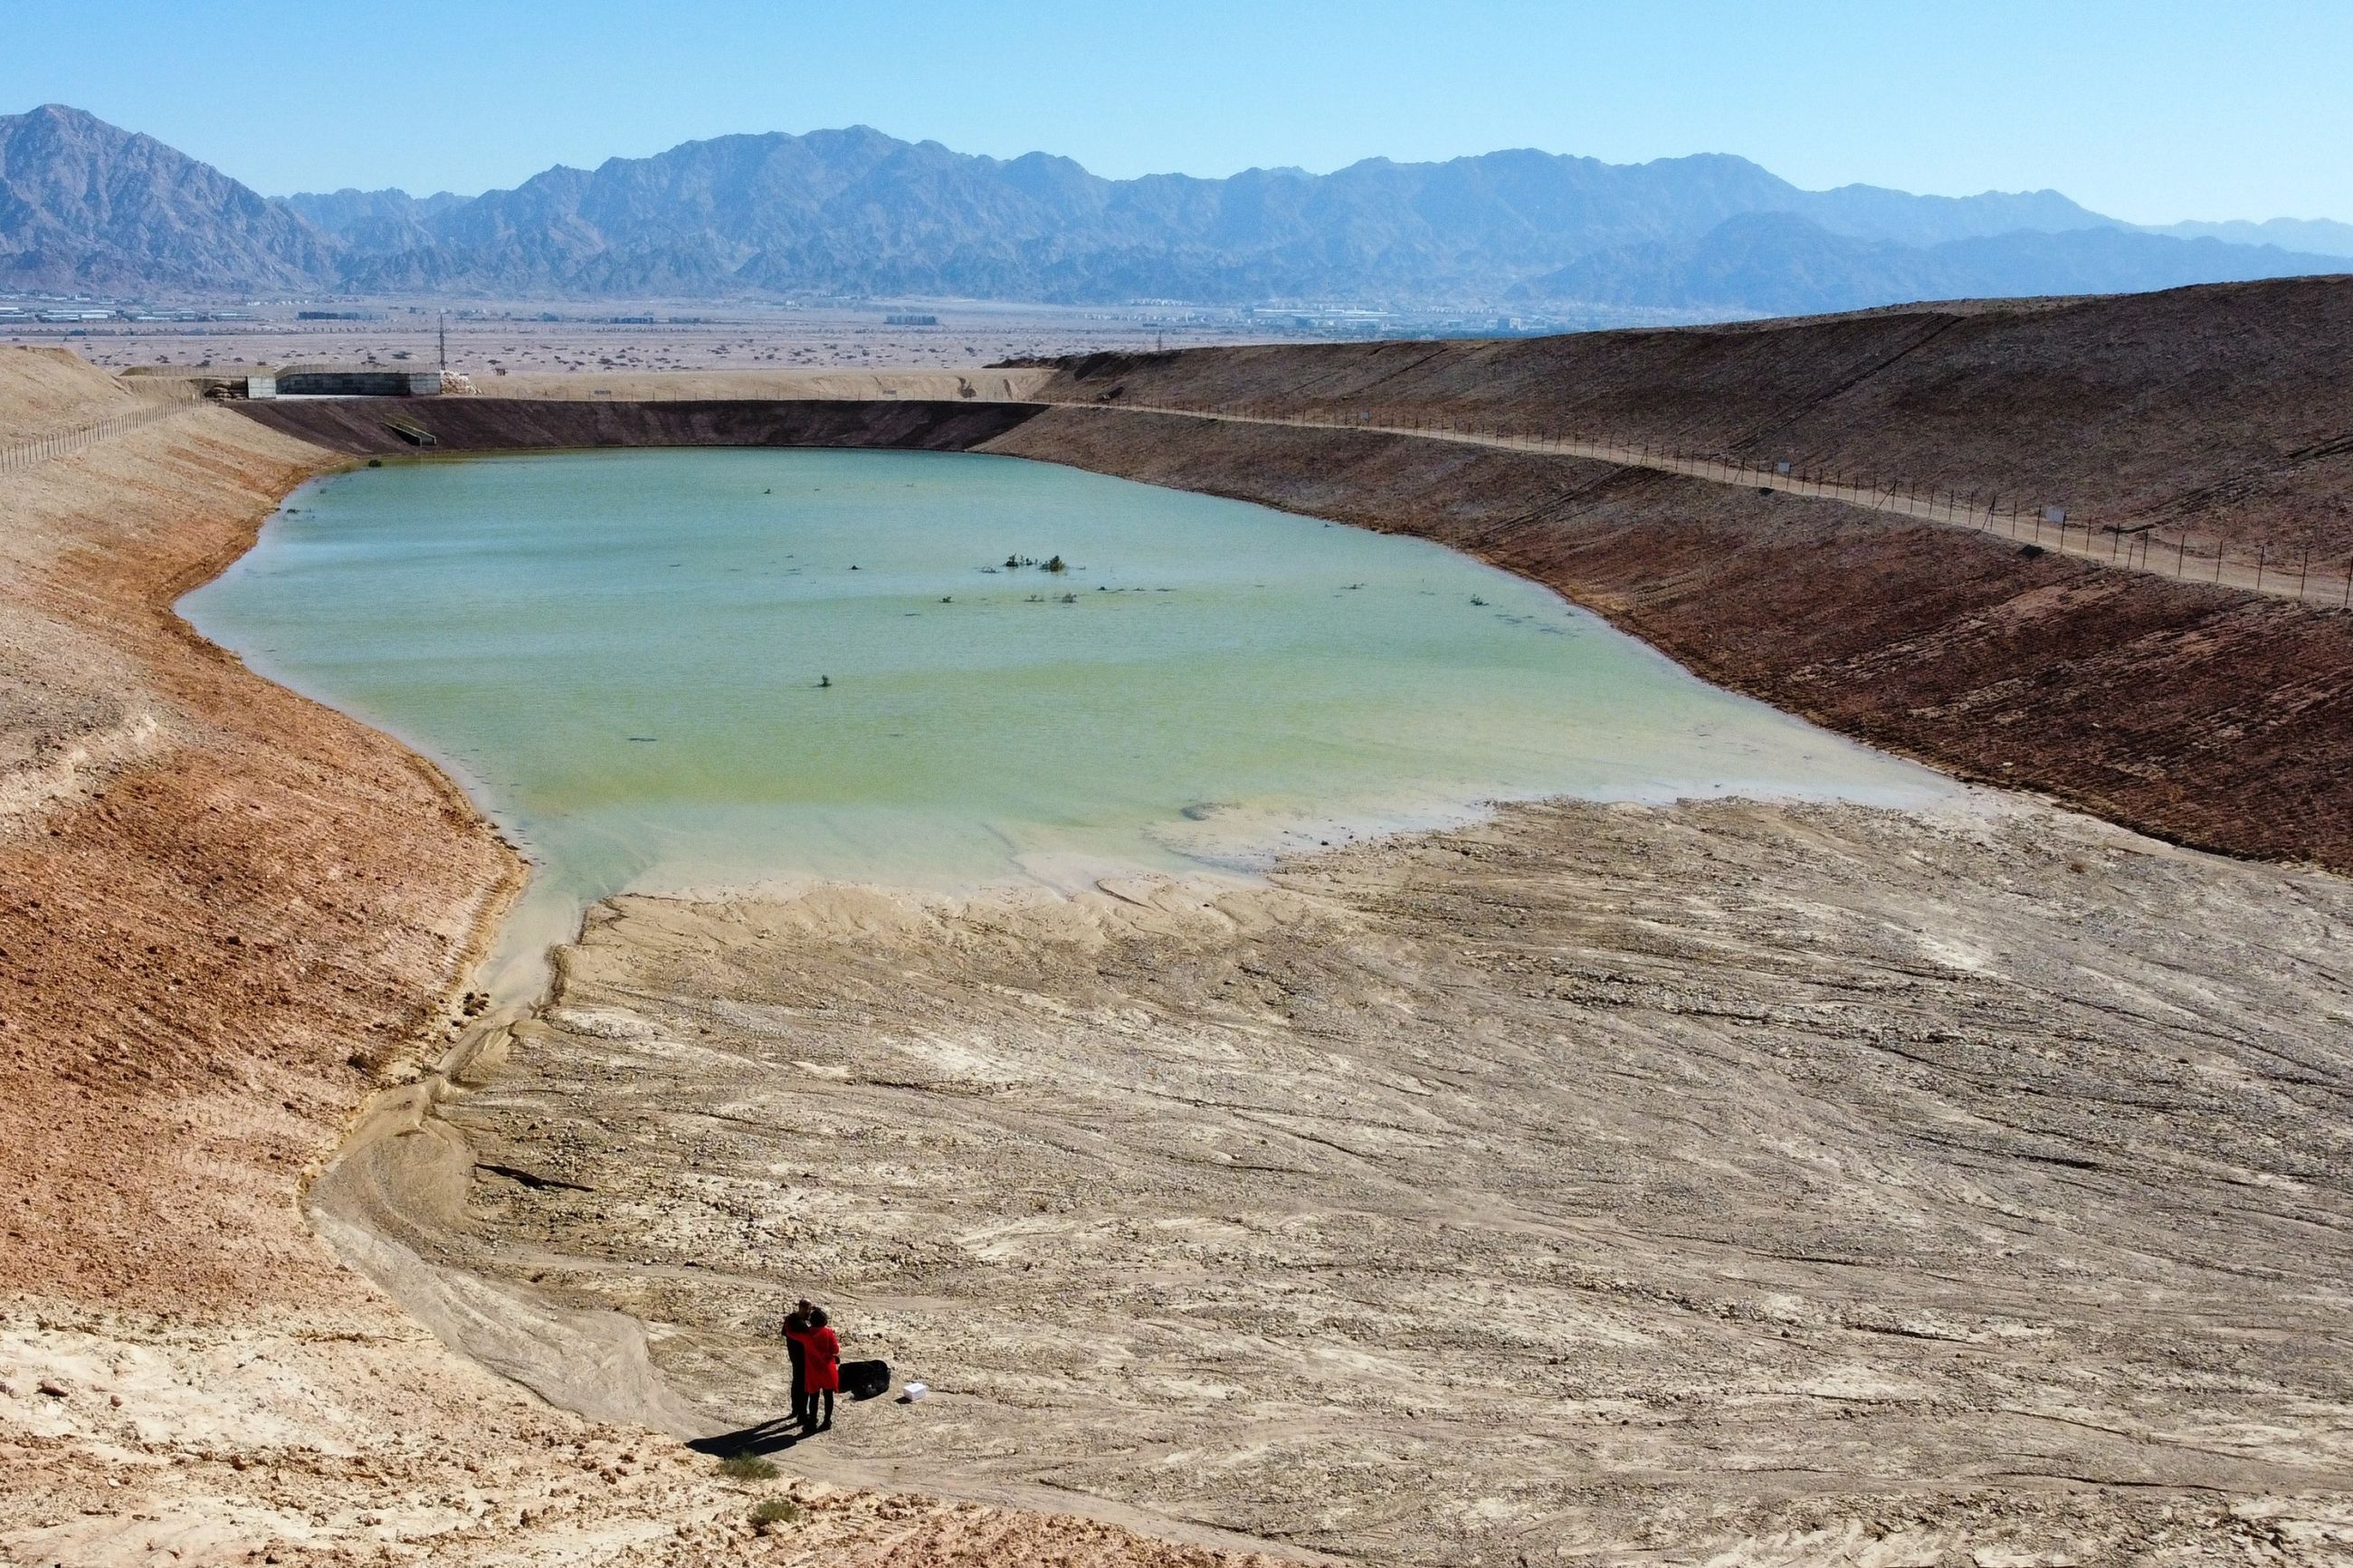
{"type": "Point", "coordinates": [1727, 1182]}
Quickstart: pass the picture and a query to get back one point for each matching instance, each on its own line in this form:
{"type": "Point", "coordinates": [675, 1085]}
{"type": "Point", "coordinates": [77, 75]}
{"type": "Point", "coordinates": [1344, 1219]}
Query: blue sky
{"type": "Point", "coordinates": [2152, 110]}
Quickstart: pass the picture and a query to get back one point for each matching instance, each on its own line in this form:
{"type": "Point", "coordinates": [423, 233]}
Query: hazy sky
{"type": "Point", "coordinates": [2151, 109]}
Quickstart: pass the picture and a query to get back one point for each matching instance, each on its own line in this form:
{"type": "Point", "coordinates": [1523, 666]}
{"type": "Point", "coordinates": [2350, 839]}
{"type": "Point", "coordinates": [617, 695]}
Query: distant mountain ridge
{"type": "Point", "coordinates": [1780, 264]}
{"type": "Point", "coordinates": [85, 204]}
{"type": "Point", "coordinates": [2322, 236]}
{"type": "Point", "coordinates": [374, 223]}
{"type": "Point", "coordinates": [855, 211]}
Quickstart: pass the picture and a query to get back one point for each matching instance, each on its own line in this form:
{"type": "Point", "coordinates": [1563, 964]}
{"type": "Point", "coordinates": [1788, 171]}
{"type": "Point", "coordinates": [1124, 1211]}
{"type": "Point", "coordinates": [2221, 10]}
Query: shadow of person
{"type": "Point", "coordinates": [764, 1437]}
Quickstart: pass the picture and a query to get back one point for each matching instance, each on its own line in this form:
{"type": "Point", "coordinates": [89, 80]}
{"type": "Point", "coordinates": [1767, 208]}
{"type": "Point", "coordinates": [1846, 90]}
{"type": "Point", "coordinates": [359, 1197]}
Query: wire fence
{"type": "Point", "coordinates": [26, 455]}
{"type": "Point", "coordinates": [2166, 550]}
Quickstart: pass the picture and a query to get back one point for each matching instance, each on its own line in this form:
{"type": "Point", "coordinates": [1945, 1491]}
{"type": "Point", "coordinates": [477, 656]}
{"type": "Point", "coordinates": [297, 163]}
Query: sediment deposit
{"type": "Point", "coordinates": [1727, 1182]}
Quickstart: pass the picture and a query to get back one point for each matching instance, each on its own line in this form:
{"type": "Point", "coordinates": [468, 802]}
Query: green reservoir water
{"type": "Point", "coordinates": [623, 657]}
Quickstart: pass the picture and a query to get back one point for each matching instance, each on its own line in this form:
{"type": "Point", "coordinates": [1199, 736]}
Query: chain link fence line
{"type": "Point", "coordinates": [26, 455]}
{"type": "Point", "coordinates": [2149, 547]}
{"type": "Point", "coordinates": [2152, 547]}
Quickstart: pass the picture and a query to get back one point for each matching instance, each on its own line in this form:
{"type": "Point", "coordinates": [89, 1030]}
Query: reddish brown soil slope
{"type": "Point", "coordinates": [198, 953]}
{"type": "Point", "coordinates": [2227, 408]}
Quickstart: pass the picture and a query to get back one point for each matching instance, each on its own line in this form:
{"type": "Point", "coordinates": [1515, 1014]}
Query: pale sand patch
{"type": "Point", "coordinates": [353, 1436]}
{"type": "Point", "coordinates": [1748, 1183]}
{"type": "Point", "coordinates": [51, 391]}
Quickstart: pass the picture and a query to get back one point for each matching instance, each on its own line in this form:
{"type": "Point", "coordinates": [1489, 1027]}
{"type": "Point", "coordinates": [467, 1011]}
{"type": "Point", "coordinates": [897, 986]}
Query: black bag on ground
{"type": "Point", "coordinates": [865, 1379]}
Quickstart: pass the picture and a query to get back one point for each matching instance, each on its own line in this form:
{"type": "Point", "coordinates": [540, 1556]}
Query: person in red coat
{"type": "Point", "coordinates": [797, 1319]}
{"type": "Point", "coordinates": [820, 1367]}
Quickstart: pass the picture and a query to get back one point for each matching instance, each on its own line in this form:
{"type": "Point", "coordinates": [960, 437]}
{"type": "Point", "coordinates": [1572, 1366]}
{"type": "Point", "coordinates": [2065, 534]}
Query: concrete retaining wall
{"type": "Point", "coordinates": [363, 426]}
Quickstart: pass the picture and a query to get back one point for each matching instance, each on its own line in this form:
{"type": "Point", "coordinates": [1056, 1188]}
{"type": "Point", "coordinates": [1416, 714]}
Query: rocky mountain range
{"type": "Point", "coordinates": [86, 205]}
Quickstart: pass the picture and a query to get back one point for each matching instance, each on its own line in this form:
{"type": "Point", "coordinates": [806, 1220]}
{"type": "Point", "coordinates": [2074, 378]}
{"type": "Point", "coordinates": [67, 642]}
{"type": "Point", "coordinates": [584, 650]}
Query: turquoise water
{"type": "Point", "coordinates": [668, 669]}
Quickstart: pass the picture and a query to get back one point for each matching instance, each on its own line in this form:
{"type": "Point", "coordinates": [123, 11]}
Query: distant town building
{"type": "Point", "coordinates": [910, 321]}
{"type": "Point", "coordinates": [1318, 318]}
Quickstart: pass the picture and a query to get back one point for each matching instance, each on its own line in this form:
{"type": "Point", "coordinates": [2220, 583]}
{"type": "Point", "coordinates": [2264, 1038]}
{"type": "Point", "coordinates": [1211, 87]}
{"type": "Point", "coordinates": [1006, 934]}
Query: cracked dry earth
{"type": "Point", "coordinates": [1724, 1183]}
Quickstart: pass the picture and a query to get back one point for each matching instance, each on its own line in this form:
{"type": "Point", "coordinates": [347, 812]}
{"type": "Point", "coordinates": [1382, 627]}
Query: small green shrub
{"type": "Point", "coordinates": [776, 1510]}
{"type": "Point", "coordinates": [747, 1468]}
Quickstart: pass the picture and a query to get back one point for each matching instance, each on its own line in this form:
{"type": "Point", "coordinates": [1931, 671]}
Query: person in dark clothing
{"type": "Point", "coordinates": [820, 1367]}
{"type": "Point", "coordinates": [796, 1321]}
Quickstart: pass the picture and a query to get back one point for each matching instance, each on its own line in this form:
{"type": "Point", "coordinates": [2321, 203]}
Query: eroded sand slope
{"type": "Point", "coordinates": [1720, 1183]}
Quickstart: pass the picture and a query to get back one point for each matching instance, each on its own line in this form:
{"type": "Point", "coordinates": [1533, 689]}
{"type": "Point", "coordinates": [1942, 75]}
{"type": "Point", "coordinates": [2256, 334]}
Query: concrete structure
{"type": "Point", "coordinates": [355, 380]}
